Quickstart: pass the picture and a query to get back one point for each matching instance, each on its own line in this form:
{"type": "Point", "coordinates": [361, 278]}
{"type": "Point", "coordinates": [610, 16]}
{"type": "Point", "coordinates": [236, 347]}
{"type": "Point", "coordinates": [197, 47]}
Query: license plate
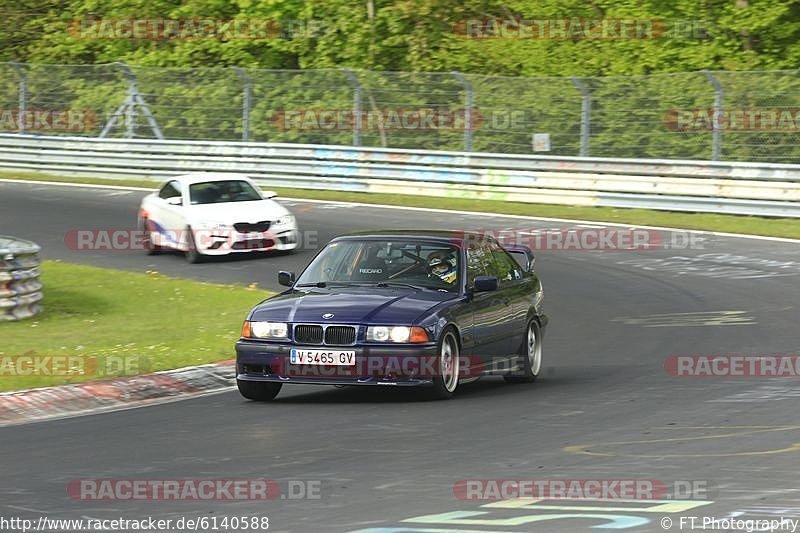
{"type": "Point", "coordinates": [323, 357]}
{"type": "Point", "coordinates": [256, 242]}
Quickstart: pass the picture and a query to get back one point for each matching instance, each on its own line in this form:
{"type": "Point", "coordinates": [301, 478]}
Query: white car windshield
{"type": "Point", "coordinates": [216, 192]}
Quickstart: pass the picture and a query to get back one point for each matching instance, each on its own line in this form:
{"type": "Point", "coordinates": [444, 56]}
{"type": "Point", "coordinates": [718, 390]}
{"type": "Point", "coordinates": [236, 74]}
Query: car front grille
{"type": "Point", "coordinates": [340, 335]}
{"type": "Point", "coordinates": [246, 227]}
{"type": "Point", "coordinates": [332, 335]}
{"type": "Point", "coordinates": [308, 334]}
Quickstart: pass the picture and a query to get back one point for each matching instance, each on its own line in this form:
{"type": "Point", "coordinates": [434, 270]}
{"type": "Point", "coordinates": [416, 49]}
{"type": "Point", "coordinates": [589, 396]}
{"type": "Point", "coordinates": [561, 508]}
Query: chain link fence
{"type": "Point", "coordinates": [733, 116]}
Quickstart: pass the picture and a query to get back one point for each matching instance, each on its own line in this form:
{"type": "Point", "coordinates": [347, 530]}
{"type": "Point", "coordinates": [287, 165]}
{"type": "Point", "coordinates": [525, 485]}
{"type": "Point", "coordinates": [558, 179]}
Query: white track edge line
{"type": "Point", "coordinates": [445, 211]}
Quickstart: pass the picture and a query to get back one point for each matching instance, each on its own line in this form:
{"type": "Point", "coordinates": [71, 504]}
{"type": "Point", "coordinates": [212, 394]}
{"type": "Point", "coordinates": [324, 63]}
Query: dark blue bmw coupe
{"type": "Point", "coordinates": [398, 308]}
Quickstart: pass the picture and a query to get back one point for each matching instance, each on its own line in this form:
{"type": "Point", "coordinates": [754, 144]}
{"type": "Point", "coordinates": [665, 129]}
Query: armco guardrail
{"type": "Point", "coordinates": [20, 289]}
{"type": "Point", "coordinates": [675, 185]}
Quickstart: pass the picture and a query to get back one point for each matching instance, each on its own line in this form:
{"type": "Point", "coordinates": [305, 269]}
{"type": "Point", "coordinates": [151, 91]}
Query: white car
{"type": "Point", "coordinates": [215, 214]}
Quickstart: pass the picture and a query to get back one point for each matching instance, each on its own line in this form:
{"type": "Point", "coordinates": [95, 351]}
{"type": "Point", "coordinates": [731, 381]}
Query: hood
{"type": "Point", "coordinates": [351, 305]}
{"type": "Point", "coordinates": [232, 212]}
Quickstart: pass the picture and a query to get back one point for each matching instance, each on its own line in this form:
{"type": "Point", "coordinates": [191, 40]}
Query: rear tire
{"type": "Point", "coordinates": [445, 385]}
{"type": "Point", "coordinates": [531, 355]}
{"type": "Point", "coordinates": [258, 391]}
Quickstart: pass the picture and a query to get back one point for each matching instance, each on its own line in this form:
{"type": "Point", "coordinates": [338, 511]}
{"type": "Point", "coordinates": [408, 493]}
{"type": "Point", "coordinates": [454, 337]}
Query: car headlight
{"type": "Point", "coordinates": [284, 220]}
{"type": "Point", "coordinates": [397, 334]}
{"type": "Point", "coordinates": [265, 330]}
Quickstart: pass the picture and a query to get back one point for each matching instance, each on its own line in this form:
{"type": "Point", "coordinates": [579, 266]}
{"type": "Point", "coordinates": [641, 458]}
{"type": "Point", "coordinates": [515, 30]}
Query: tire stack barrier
{"type": "Point", "coordinates": [20, 288]}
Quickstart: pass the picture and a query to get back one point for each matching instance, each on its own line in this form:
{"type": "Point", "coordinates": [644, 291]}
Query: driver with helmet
{"type": "Point", "coordinates": [443, 265]}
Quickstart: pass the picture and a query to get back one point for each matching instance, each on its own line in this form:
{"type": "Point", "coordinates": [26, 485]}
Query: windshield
{"type": "Point", "coordinates": [215, 192]}
{"type": "Point", "coordinates": [388, 263]}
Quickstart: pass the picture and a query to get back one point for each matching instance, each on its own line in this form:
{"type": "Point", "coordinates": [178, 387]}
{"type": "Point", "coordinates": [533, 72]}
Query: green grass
{"type": "Point", "coordinates": [104, 316]}
{"type": "Point", "coordinates": [774, 227]}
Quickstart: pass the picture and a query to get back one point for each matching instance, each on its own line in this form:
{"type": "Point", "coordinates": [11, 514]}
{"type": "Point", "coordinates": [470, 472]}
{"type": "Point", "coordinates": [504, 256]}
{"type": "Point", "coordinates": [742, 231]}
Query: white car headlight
{"type": "Point", "coordinates": [284, 220]}
{"type": "Point", "coordinates": [269, 330]}
{"type": "Point", "coordinates": [396, 334]}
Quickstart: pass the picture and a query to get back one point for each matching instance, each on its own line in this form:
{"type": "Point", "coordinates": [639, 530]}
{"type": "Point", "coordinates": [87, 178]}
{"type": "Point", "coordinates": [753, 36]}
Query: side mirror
{"type": "Point", "coordinates": [523, 256]}
{"type": "Point", "coordinates": [175, 200]}
{"type": "Point", "coordinates": [268, 194]}
{"type": "Point", "coordinates": [485, 284]}
{"type": "Point", "coordinates": [286, 278]}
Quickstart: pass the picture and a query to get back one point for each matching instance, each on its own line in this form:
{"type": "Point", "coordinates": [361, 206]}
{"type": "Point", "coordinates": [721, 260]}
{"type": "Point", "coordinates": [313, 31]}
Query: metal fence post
{"type": "Point", "coordinates": [247, 102]}
{"type": "Point", "coordinates": [132, 100]}
{"type": "Point", "coordinates": [586, 115]}
{"type": "Point", "coordinates": [716, 125]}
{"type": "Point", "coordinates": [130, 112]}
{"type": "Point", "coordinates": [129, 106]}
{"type": "Point", "coordinates": [468, 105]}
{"type": "Point", "coordinates": [353, 80]}
{"type": "Point", "coordinates": [23, 96]}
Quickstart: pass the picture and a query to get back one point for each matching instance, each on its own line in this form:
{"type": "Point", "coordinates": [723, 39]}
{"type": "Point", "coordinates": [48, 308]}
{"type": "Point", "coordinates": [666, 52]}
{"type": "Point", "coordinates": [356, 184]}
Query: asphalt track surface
{"type": "Point", "coordinates": [605, 408]}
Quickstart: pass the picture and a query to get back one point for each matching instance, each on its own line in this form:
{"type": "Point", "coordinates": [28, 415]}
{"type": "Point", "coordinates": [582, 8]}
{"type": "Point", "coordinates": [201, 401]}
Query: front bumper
{"type": "Point", "coordinates": [402, 365]}
{"type": "Point", "coordinates": [223, 243]}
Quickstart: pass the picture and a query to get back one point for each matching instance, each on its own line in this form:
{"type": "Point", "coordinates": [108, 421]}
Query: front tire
{"type": "Point", "coordinates": [444, 385]}
{"type": "Point", "coordinates": [531, 355]}
{"type": "Point", "coordinates": [258, 391]}
{"type": "Point", "coordinates": [193, 256]}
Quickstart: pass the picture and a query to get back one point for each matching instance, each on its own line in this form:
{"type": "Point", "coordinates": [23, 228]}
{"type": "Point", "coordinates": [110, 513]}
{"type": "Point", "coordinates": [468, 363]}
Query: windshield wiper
{"type": "Point", "coordinates": [399, 284]}
{"type": "Point", "coordinates": [323, 284]}
{"type": "Point", "coordinates": [320, 284]}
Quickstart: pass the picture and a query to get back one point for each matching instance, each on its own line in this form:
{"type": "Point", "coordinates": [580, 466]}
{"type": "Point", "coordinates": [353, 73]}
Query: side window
{"type": "Point", "coordinates": [507, 267]}
{"type": "Point", "coordinates": [479, 262]}
{"type": "Point", "coordinates": [170, 190]}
